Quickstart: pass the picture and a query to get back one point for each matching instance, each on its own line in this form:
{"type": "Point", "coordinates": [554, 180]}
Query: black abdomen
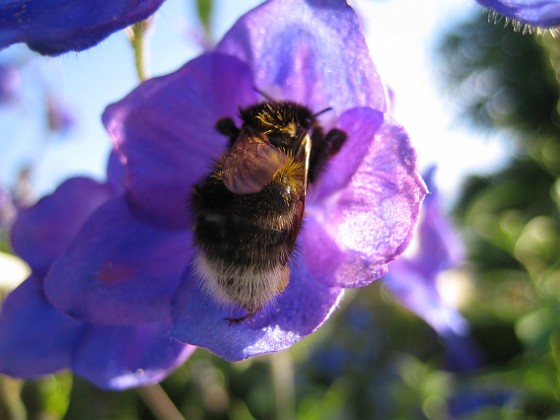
{"type": "Point", "coordinates": [245, 230]}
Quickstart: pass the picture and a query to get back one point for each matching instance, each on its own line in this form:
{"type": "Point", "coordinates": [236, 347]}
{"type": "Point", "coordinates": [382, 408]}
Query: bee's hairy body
{"type": "Point", "coordinates": [248, 210]}
{"type": "Point", "coordinates": [246, 244]}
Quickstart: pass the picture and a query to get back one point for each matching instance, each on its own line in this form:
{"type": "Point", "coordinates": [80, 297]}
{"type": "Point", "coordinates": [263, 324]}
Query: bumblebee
{"type": "Point", "coordinates": [248, 211]}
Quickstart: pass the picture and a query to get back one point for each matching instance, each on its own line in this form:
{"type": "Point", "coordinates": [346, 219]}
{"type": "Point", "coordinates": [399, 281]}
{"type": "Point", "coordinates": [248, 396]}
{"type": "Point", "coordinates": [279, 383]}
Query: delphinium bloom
{"type": "Point", "coordinates": [9, 83]}
{"type": "Point", "coordinates": [413, 278]}
{"type": "Point", "coordinates": [535, 13]}
{"type": "Point", "coordinates": [132, 260]}
{"type": "Point", "coordinates": [59, 117]}
{"type": "Point", "coordinates": [36, 339]}
{"type": "Point", "coordinates": [7, 209]}
{"type": "Point", "coordinates": [57, 26]}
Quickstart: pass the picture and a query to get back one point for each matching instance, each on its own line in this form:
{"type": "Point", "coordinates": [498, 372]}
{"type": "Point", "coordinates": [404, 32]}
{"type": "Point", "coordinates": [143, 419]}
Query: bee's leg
{"type": "Point", "coordinates": [335, 138]}
{"type": "Point", "coordinates": [227, 127]}
{"type": "Point", "coordinates": [327, 146]}
{"type": "Point", "coordinates": [240, 319]}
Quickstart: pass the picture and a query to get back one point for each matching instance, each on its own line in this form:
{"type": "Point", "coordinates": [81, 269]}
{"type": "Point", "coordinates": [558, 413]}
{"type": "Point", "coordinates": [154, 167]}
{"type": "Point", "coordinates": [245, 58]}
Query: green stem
{"type": "Point", "coordinates": [11, 406]}
{"type": "Point", "coordinates": [136, 34]}
{"type": "Point", "coordinates": [159, 403]}
{"type": "Point", "coordinates": [283, 385]}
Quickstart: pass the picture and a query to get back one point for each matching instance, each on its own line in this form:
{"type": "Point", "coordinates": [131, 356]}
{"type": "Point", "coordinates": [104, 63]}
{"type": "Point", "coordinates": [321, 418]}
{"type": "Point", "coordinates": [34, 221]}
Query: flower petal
{"type": "Point", "coordinates": [165, 131]}
{"type": "Point", "coordinates": [350, 237]}
{"type": "Point", "coordinates": [360, 125]}
{"type": "Point", "coordinates": [115, 172]}
{"type": "Point", "coordinates": [419, 294]}
{"type": "Point", "coordinates": [10, 81]}
{"type": "Point", "coordinates": [312, 52]}
{"type": "Point", "coordinates": [439, 247]}
{"type": "Point", "coordinates": [119, 270]}
{"type": "Point", "coordinates": [297, 312]}
{"type": "Point", "coordinates": [412, 278]}
{"type": "Point", "coordinates": [120, 357]}
{"type": "Point", "coordinates": [539, 13]}
{"type": "Point", "coordinates": [44, 230]}
{"type": "Point", "coordinates": [58, 26]}
{"type": "Point", "coordinates": [35, 339]}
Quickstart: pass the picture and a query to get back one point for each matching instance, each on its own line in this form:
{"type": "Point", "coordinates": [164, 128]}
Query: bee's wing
{"type": "Point", "coordinates": [251, 163]}
{"type": "Point", "coordinates": [302, 153]}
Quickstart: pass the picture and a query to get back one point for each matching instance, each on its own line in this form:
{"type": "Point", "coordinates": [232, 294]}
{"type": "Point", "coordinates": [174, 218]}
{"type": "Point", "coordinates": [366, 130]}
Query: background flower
{"type": "Point", "coordinates": [9, 83]}
{"type": "Point", "coordinates": [58, 26]}
{"type": "Point", "coordinates": [36, 339]}
{"type": "Point", "coordinates": [412, 278]}
{"type": "Point", "coordinates": [538, 13]}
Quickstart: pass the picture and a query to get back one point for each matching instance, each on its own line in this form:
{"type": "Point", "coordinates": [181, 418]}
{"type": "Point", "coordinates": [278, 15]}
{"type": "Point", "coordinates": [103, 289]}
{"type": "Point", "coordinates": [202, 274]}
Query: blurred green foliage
{"type": "Point", "coordinates": [510, 82]}
{"type": "Point", "coordinates": [374, 359]}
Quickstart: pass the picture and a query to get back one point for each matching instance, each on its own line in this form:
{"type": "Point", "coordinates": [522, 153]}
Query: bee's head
{"type": "Point", "coordinates": [282, 122]}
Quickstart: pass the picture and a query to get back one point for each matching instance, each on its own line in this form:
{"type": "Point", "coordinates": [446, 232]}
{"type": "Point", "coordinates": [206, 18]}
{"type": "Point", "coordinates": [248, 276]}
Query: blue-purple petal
{"type": "Point", "coordinates": [412, 278]}
{"type": "Point", "coordinates": [538, 13]}
{"type": "Point", "coordinates": [8, 210]}
{"type": "Point", "coordinates": [439, 246]}
{"type": "Point", "coordinates": [420, 295]}
{"type": "Point", "coordinates": [296, 313]}
{"type": "Point", "coordinates": [9, 83]}
{"type": "Point", "coordinates": [312, 52]}
{"type": "Point", "coordinates": [371, 221]}
{"type": "Point", "coordinates": [115, 172]}
{"type": "Point", "coordinates": [360, 125]}
{"type": "Point", "coordinates": [35, 339]}
{"type": "Point", "coordinates": [165, 131]}
{"type": "Point", "coordinates": [57, 26]}
{"type": "Point", "coordinates": [120, 357]}
{"type": "Point", "coordinates": [119, 269]}
{"type": "Point", "coordinates": [43, 231]}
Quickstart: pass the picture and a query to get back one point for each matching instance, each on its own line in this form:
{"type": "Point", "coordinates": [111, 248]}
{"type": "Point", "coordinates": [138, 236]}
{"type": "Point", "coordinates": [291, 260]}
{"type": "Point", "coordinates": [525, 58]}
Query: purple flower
{"type": "Point", "coordinates": [131, 261]}
{"type": "Point", "coordinates": [59, 117]}
{"type": "Point", "coordinates": [478, 399]}
{"type": "Point", "coordinates": [538, 13]}
{"type": "Point", "coordinates": [36, 339]}
{"type": "Point", "coordinates": [7, 209]}
{"type": "Point", "coordinates": [413, 278]}
{"type": "Point", "coordinates": [57, 26]}
{"type": "Point", "coordinates": [9, 82]}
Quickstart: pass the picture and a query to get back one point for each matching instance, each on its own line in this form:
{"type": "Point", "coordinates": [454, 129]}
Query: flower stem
{"type": "Point", "coordinates": [283, 384]}
{"type": "Point", "coordinates": [11, 406]}
{"type": "Point", "coordinates": [136, 34]}
{"type": "Point", "coordinates": [159, 403]}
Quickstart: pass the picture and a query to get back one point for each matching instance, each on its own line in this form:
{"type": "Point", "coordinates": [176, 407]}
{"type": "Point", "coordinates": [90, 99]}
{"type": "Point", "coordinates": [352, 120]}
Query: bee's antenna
{"type": "Point", "coordinates": [264, 94]}
{"type": "Point", "coordinates": [322, 111]}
